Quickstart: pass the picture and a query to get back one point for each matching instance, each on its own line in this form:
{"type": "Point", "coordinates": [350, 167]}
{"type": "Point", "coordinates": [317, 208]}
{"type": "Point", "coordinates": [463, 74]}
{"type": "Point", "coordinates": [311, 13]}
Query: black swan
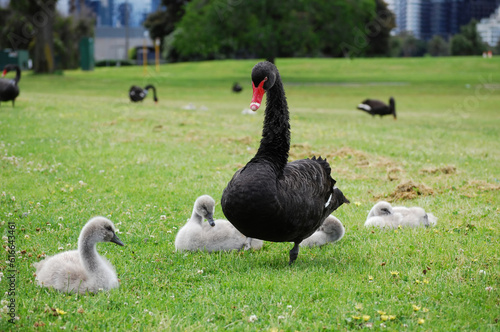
{"type": "Point", "coordinates": [237, 87]}
{"type": "Point", "coordinates": [8, 88]}
{"type": "Point", "coordinates": [138, 94]}
{"type": "Point", "coordinates": [271, 199]}
{"type": "Point", "coordinates": [377, 107]}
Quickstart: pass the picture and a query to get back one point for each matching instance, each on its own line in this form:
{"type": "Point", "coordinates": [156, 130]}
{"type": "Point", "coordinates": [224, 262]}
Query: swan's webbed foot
{"type": "Point", "coordinates": [294, 253]}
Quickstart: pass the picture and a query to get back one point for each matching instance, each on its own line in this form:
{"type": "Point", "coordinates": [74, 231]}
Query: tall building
{"type": "Point", "coordinates": [155, 5]}
{"type": "Point", "coordinates": [489, 28]}
{"type": "Point", "coordinates": [426, 18]}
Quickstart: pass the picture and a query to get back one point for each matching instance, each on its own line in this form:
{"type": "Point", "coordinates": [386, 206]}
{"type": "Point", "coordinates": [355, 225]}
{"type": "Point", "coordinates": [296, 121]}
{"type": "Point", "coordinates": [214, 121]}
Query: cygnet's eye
{"type": "Point", "coordinates": [108, 228]}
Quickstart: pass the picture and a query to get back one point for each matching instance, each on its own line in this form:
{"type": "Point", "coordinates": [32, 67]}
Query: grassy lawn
{"type": "Point", "coordinates": [74, 147]}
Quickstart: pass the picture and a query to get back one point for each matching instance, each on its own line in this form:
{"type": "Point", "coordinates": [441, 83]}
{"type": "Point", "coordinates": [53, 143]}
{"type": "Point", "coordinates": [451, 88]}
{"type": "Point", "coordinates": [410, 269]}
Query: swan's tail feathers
{"type": "Point", "coordinates": [324, 163]}
{"type": "Point", "coordinates": [364, 107]}
{"type": "Point", "coordinates": [337, 199]}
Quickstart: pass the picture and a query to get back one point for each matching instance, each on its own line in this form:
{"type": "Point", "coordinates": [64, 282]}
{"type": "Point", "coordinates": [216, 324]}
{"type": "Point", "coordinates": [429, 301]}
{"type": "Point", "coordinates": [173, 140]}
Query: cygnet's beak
{"type": "Point", "coordinates": [210, 220]}
{"type": "Point", "coordinates": [116, 240]}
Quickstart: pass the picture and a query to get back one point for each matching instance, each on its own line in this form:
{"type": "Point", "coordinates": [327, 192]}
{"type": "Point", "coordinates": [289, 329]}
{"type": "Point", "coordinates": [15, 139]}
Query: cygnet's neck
{"type": "Point", "coordinates": [87, 249]}
{"type": "Point", "coordinates": [195, 217]}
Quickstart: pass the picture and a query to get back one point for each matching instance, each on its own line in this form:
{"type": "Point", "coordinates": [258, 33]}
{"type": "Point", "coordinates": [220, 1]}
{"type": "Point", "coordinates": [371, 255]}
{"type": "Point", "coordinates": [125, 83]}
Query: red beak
{"type": "Point", "coordinates": [4, 72]}
{"type": "Point", "coordinates": [258, 93]}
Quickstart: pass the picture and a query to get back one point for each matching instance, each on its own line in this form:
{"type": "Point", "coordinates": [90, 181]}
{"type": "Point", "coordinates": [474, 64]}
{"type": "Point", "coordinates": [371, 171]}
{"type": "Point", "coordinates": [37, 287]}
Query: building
{"type": "Point", "coordinates": [427, 18]}
{"type": "Point", "coordinates": [489, 29]}
{"type": "Point", "coordinates": [155, 5]}
{"type": "Point", "coordinates": [114, 43]}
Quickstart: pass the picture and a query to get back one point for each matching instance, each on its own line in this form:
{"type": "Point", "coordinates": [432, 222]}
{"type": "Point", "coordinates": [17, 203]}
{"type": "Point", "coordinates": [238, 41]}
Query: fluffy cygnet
{"type": "Point", "coordinates": [384, 215]}
{"type": "Point", "coordinates": [331, 230]}
{"type": "Point", "coordinates": [82, 270]}
{"type": "Point", "coordinates": [216, 235]}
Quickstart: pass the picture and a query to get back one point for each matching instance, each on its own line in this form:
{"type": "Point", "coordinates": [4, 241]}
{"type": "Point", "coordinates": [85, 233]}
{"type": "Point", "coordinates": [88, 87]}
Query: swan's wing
{"type": "Point", "coordinates": [308, 184]}
{"type": "Point", "coordinates": [375, 104]}
{"type": "Point", "coordinates": [306, 193]}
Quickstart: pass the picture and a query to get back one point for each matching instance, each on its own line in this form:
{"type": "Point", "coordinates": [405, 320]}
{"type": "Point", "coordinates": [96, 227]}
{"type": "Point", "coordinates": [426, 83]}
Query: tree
{"type": "Point", "coordinates": [437, 46]}
{"type": "Point", "coordinates": [269, 29]}
{"type": "Point", "coordinates": [39, 20]}
{"type": "Point", "coordinates": [407, 45]}
{"type": "Point", "coordinates": [468, 41]}
{"type": "Point", "coordinates": [162, 22]}
{"type": "Point", "coordinates": [380, 30]}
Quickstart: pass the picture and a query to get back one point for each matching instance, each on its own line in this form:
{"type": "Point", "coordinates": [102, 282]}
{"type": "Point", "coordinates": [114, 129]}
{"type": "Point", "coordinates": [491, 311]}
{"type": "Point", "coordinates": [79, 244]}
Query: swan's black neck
{"type": "Point", "coordinates": [147, 87]}
{"type": "Point", "coordinates": [275, 142]}
{"type": "Point", "coordinates": [18, 74]}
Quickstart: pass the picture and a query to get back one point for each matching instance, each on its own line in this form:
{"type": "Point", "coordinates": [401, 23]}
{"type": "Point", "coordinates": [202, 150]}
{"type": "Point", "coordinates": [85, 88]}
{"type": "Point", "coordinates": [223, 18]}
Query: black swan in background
{"type": "Point", "coordinates": [138, 94]}
{"type": "Point", "coordinates": [8, 88]}
{"type": "Point", "coordinates": [237, 87]}
{"type": "Point", "coordinates": [271, 199]}
{"type": "Point", "coordinates": [376, 107]}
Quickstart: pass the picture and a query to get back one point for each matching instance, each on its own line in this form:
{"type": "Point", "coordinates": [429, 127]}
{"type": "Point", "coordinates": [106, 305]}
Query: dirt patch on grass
{"type": "Point", "coordinates": [407, 190]}
{"type": "Point", "coordinates": [246, 140]}
{"type": "Point", "coordinates": [479, 185]}
{"type": "Point", "coordinates": [394, 173]}
{"type": "Point", "coordinates": [304, 150]}
{"type": "Point", "coordinates": [448, 169]}
{"type": "Point", "coordinates": [347, 152]}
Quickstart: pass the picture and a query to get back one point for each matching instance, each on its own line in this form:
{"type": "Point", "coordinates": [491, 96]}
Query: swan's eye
{"type": "Point", "coordinates": [108, 228]}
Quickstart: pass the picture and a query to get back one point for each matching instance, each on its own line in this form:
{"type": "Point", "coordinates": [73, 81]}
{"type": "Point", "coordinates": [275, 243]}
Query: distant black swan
{"type": "Point", "coordinates": [138, 94]}
{"type": "Point", "coordinates": [8, 88]}
{"type": "Point", "coordinates": [237, 87]}
{"type": "Point", "coordinates": [377, 107]}
{"type": "Point", "coordinates": [271, 199]}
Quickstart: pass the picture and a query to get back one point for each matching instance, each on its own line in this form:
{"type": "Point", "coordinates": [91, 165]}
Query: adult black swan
{"type": "Point", "coordinates": [271, 199]}
{"type": "Point", "coordinates": [8, 88]}
{"type": "Point", "coordinates": [237, 87]}
{"type": "Point", "coordinates": [377, 107]}
{"type": "Point", "coordinates": [138, 94]}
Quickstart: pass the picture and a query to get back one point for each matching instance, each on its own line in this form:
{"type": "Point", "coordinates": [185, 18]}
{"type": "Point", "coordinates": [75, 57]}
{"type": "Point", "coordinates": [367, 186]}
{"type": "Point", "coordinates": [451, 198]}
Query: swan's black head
{"type": "Point", "coordinates": [263, 78]}
{"type": "Point", "coordinates": [8, 68]}
{"type": "Point", "coordinates": [392, 104]}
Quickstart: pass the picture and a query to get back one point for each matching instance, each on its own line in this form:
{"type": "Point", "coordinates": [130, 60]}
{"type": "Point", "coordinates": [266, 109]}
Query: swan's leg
{"type": "Point", "coordinates": [294, 253]}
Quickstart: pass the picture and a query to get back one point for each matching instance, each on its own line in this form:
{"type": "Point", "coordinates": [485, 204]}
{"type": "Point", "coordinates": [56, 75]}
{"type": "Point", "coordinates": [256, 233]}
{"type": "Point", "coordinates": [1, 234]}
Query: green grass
{"type": "Point", "coordinates": [144, 161]}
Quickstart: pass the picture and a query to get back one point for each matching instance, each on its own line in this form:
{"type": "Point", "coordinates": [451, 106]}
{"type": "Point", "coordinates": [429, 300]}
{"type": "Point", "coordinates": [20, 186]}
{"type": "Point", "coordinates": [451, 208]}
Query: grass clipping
{"type": "Point", "coordinates": [408, 190]}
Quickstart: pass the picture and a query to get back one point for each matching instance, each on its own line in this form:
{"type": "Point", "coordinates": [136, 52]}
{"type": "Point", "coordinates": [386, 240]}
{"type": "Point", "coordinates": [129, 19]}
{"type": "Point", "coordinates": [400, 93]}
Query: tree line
{"type": "Point", "coordinates": [52, 39]}
{"type": "Point", "coordinates": [220, 29]}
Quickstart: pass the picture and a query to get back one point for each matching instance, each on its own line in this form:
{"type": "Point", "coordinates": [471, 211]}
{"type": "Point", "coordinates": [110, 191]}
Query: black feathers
{"type": "Point", "coordinates": [269, 198]}
{"type": "Point", "coordinates": [9, 90]}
